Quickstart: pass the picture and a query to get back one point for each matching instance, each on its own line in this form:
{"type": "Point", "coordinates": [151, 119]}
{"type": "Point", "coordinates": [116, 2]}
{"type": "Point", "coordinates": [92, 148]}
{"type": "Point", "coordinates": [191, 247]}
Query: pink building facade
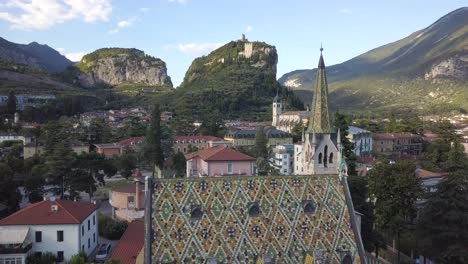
{"type": "Point", "coordinates": [219, 161]}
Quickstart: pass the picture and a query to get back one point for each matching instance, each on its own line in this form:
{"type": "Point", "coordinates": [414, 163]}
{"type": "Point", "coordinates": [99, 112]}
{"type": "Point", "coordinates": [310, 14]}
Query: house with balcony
{"type": "Point", "coordinates": [362, 141]}
{"type": "Point", "coordinates": [219, 161]}
{"type": "Point", "coordinates": [61, 227]}
{"type": "Point", "coordinates": [128, 202]}
{"type": "Point", "coordinates": [282, 159]}
{"type": "Point", "coordinates": [185, 143]}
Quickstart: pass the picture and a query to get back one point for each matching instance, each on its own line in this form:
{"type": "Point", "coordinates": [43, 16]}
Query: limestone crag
{"type": "Point", "coordinates": [455, 67]}
{"type": "Point", "coordinates": [127, 66]}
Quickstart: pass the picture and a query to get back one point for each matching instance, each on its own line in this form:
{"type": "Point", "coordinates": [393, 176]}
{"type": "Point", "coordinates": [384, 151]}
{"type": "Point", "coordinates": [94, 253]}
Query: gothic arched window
{"type": "Point", "coordinates": [320, 158]}
{"type": "Point", "coordinates": [331, 158]}
{"type": "Point", "coordinates": [325, 150]}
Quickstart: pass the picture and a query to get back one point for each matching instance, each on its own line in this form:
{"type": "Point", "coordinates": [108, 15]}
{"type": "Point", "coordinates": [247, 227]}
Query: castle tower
{"type": "Point", "coordinates": [277, 110]}
{"type": "Point", "coordinates": [319, 153]}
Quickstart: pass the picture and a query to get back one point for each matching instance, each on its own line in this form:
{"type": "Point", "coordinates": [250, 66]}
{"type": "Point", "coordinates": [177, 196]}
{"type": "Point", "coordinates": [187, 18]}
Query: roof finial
{"type": "Point", "coordinates": [321, 48]}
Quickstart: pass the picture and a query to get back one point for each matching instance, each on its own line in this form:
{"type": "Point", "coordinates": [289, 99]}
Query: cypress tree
{"type": "Point", "coordinates": [152, 146]}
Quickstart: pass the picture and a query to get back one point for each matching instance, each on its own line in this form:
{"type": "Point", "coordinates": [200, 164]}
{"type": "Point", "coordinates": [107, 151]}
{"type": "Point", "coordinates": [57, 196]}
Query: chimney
{"type": "Point", "coordinates": [137, 195]}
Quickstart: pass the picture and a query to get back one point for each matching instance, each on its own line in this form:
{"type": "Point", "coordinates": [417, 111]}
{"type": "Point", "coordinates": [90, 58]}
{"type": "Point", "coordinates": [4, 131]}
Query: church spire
{"type": "Point", "coordinates": [319, 121]}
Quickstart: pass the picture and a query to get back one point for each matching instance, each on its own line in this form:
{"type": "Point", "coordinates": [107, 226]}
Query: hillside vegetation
{"type": "Point", "coordinates": [424, 72]}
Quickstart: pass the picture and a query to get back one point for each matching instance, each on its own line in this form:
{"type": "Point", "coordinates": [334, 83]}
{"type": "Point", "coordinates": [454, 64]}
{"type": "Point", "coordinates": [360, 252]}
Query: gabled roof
{"type": "Point", "coordinates": [40, 213]}
{"type": "Point", "coordinates": [131, 141]}
{"type": "Point", "coordinates": [207, 138]}
{"type": "Point", "coordinates": [131, 243]}
{"type": "Point", "coordinates": [219, 153]}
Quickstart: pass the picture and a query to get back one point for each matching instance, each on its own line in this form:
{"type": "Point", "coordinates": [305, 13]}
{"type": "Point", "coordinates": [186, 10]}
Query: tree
{"type": "Point", "coordinates": [126, 163]}
{"type": "Point", "coordinates": [261, 144]}
{"type": "Point", "coordinates": [297, 131]}
{"type": "Point", "coordinates": [395, 190]}
{"type": "Point", "coordinates": [44, 258]}
{"type": "Point", "coordinates": [100, 130]}
{"type": "Point", "coordinates": [179, 164]}
{"type": "Point", "coordinates": [11, 103]}
{"type": "Point", "coordinates": [212, 124]}
{"type": "Point", "coordinates": [443, 224]}
{"type": "Point", "coordinates": [444, 218]}
{"type": "Point", "coordinates": [391, 126]}
{"type": "Point", "coordinates": [89, 171]}
{"type": "Point", "coordinates": [9, 194]}
{"type": "Point", "coordinates": [79, 258]}
{"type": "Point", "coordinates": [152, 146]}
{"type": "Point", "coordinates": [34, 183]}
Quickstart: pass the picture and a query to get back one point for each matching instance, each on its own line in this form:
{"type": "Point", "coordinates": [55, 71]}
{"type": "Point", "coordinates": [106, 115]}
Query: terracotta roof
{"type": "Point", "coordinates": [40, 213]}
{"type": "Point", "coordinates": [394, 135]}
{"type": "Point", "coordinates": [131, 188]}
{"type": "Point", "coordinates": [107, 145]}
{"type": "Point", "coordinates": [207, 138]}
{"type": "Point", "coordinates": [129, 141]}
{"type": "Point", "coordinates": [131, 243]}
{"type": "Point", "coordinates": [219, 153]}
{"type": "Point", "coordinates": [425, 174]}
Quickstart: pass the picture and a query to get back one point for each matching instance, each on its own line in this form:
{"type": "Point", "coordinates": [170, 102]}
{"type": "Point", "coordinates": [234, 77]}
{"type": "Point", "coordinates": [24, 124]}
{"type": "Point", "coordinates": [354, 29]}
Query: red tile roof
{"type": "Point", "coordinates": [130, 244]}
{"type": "Point", "coordinates": [425, 174]}
{"type": "Point", "coordinates": [207, 138]}
{"type": "Point", "coordinates": [219, 153]}
{"type": "Point", "coordinates": [40, 213]}
{"type": "Point", "coordinates": [131, 141]}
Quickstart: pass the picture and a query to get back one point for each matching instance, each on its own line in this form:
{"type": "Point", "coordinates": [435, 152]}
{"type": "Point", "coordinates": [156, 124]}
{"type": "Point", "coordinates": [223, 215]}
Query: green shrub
{"type": "Point", "coordinates": [44, 258]}
{"type": "Point", "coordinates": [110, 228]}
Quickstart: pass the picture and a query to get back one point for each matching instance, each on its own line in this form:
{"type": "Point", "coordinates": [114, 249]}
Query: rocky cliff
{"type": "Point", "coordinates": [115, 66]}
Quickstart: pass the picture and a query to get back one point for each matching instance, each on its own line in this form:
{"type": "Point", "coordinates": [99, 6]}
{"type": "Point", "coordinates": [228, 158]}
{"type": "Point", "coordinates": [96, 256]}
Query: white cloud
{"type": "Point", "coordinates": [75, 56]}
{"type": "Point", "coordinates": [43, 14]}
{"type": "Point", "coordinates": [194, 49]}
{"type": "Point", "coordinates": [345, 11]}
{"type": "Point", "coordinates": [248, 29]}
{"type": "Point", "coordinates": [144, 9]}
{"type": "Point", "coordinates": [122, 24]}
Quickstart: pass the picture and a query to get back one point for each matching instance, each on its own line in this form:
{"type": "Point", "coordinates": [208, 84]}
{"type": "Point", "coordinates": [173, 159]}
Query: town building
{"type": "Point", "coordinates": [396, 145]}
{"type": "Point", "coordinates": [131, 144]}
{"type": "Point", "coordinates": [283, 159]}
{"type": "Point", "coordinates": [128, 202]}
{"type": "Point", "coordinates": [129, 249]}
{"type": "Point", "coordinates": [261, 219]}
{"type": "Point", "coordinates": [318, 151]}
{"type": "Point", "coordinates": [109, 150]}
{"type": "Point", "coordinates": [429, 179]}
{"type": "Point", "coordinates": [286, 121]}
{"type": "Point", "coordinates": [219, 161]}
{"type": "Point", "coordinates": [31, 149]}
{"type": "Point", "coordinates": [186, 143]}
{"type": "Point", "coordinates": [61, 227]}
{"type": "Point", "coordinates": [362, 141]}
{"type": "Point", "coordinates": [247, 137]}
{"type": "Point", "coordinates": [16, 137]}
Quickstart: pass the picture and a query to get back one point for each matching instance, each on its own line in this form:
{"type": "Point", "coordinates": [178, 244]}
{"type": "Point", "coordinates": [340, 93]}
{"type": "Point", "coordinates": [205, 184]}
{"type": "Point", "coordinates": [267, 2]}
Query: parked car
{"type": "Point", "coordinates": [103, 252]}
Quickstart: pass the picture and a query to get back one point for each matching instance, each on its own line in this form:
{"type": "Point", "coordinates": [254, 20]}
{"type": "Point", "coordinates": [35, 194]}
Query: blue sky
{"type": "Point", "coordinates": [178, 31]}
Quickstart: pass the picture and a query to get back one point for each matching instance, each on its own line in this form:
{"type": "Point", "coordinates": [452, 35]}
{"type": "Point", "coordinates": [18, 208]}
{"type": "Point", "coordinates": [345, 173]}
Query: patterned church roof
{"type": "Point", "coordinates": [285, 219]}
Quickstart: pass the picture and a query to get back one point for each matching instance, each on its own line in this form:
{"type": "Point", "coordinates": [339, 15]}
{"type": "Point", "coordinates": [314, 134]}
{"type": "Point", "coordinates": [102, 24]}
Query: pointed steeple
{"type": "Point", "coordinates": [319, 122]}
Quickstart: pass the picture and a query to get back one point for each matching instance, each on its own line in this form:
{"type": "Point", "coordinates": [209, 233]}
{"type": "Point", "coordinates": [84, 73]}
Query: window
{"type": "Point", "coordinates": [229, 168]}
{"type": "Point", "coordinates": [60, 236]}
{"type": "Point", "coordinates": [285, 170]}
{"type": "Point", "coordinates": [320, 158]}
{"type": "Point", "coordinates": [196, 212]}
{"type": "Point", "coordinates": [254, 209]}
{"type": "Point", "coordinates": [38, 236]}
{"type": "Point", "coordinates": [59, 256]}
{"type": "Point", "coordinates": [15, 260]}
{"type": "Point", "coordinates": [89, 242]}
{"type": "Point", "coordinates": [82, 230]}
{"type": "Point", "coordinates": [89, 224]}
{"type": "Point", "coordinates": [331, 158]}
{"type": "Point", "coordinates": [285, 156]}
{"type": "Point", "coordinates": [94, 238]}
{"type": "Point", "coordinates": [82, 248]}
{"type": "Point", "coordinates": [94, 219]}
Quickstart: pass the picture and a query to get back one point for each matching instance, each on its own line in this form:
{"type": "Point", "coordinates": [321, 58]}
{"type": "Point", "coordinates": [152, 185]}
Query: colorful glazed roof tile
{"type": "Point", "coordinates": [288, 219]}
{"type": "Point", "coordinates": [41, 213]}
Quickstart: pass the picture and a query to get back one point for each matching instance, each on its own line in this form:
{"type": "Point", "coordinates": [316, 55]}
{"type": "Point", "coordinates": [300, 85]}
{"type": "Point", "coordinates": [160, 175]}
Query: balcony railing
{"type": "Point", "coordinates": [15, 249]}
